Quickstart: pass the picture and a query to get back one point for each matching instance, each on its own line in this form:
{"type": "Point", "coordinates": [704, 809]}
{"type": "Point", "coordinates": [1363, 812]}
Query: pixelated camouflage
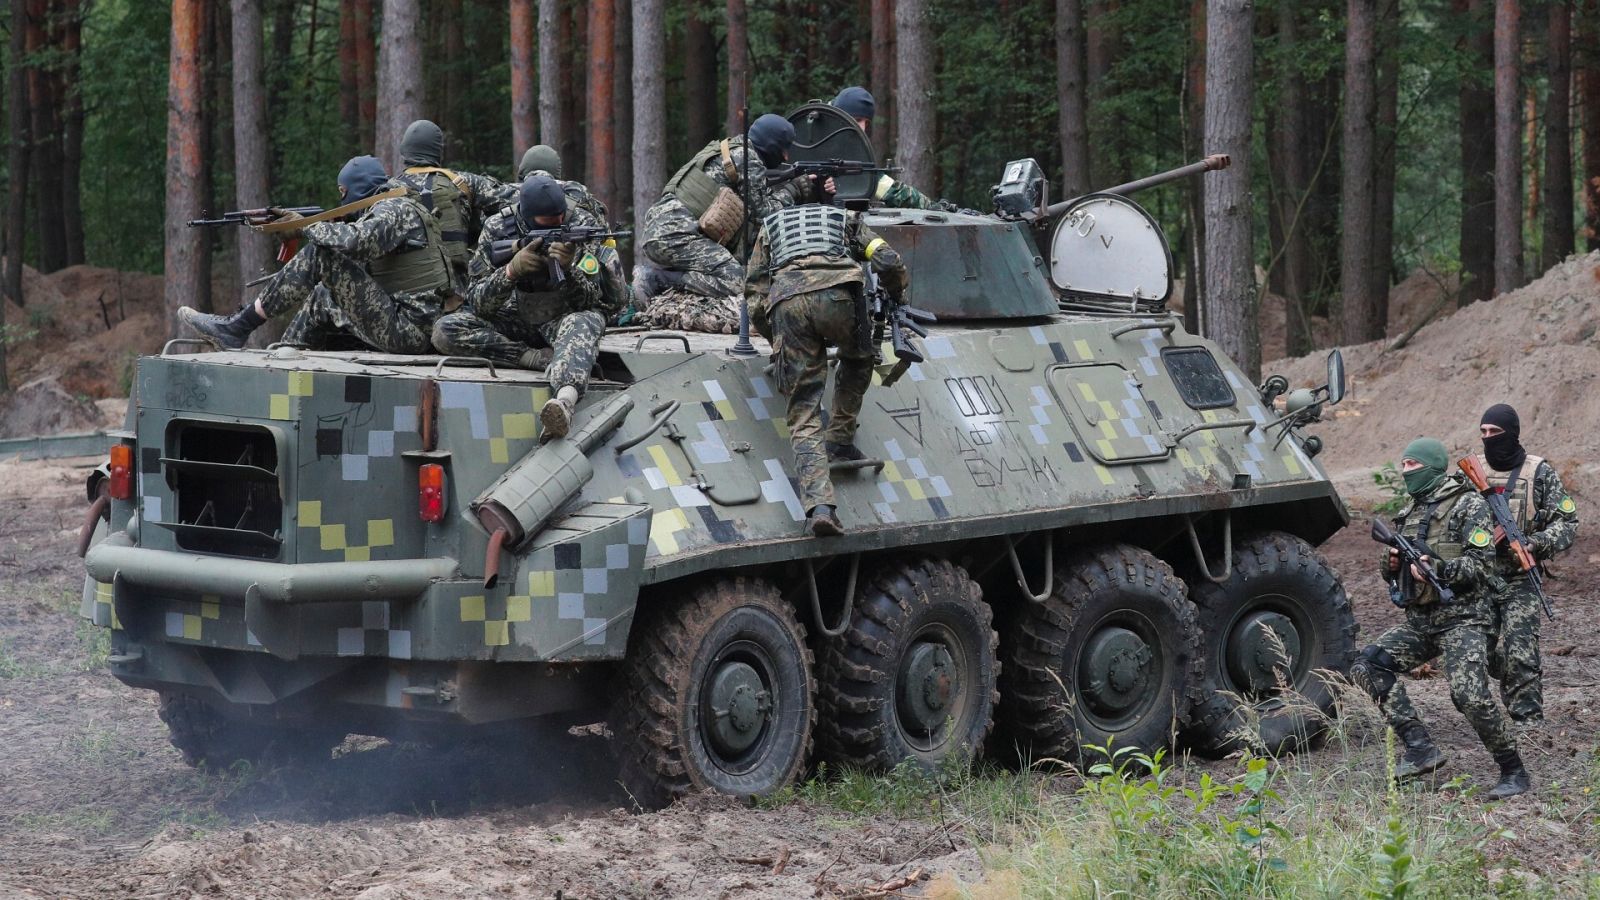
{"type": "Point", "coordinates": [686, 311]}
{"type": "Point", "coordinates": [506, 193]}
{"type": "Point", "coordinates": [1464, 651]}
{"type": "Point", "coordinates": [899, 195]}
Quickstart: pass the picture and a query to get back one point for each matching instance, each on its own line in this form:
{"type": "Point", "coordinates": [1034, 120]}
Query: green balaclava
{"type": "Point", "coordinates": [1434, 458]}
{"type": "Point", "coordinates": [539, 158]}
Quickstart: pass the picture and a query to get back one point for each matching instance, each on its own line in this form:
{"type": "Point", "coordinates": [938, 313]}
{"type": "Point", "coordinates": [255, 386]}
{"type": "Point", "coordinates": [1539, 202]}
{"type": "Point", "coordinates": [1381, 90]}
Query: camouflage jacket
{"type": "Point", "coordinates": [900, 195]}
{"type": "Point", "coordinates": [1553, 521]}
{"type": "Point", "coordinates": [535, 300]}
{"type": "Point", "coordinates": [383, 228]}
{"type": "Point", "coordinates": [817, 272]}
{"type": "Point", "coordinates": [1467, 530]}
{"type": "Point", "coordinates": [508, 193]}
{"type": "Point", "coordinates": [764, 198]}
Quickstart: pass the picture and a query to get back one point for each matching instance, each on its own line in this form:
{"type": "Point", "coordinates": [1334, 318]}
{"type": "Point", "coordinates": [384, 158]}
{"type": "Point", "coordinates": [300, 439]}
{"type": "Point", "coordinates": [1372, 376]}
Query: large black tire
{"type": "Point", "coordinates": [717, 693]}
{"type": "Point", "coordinates": [1280, 582]}
{"type": "Point", "coordinates": [1108, 660]}
{"type": "Point", "coordinates": [914, 675]}
{"type": "Point", "coordinates": [208, 738]}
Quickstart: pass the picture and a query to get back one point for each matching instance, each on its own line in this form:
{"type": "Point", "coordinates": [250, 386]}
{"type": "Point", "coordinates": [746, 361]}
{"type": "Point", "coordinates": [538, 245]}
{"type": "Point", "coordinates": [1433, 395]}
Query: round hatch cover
{"type": "Point", "coordinates": [1105, 245]}
{"type": "Point", "coordinates": [822, 132]}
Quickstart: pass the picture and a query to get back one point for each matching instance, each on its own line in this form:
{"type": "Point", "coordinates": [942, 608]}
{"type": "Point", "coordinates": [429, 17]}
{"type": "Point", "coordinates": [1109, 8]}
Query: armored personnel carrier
{"type": "Point", "coordinates": [1080, 527]}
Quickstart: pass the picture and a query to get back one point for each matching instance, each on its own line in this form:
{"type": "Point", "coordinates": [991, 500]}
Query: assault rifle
{"type": "Point", "coordinates": [900, 322]}
{"type": "Point", "coordinates": [1411, 554]}
{"type": "Point", "coordinates": [1509, 534]}
{"type": "Point", "coordinates": [253, 216]}
{"type": "Point", "coordinates": [500, 252]}
{"type": "Point", "coordinates": [826, 168]}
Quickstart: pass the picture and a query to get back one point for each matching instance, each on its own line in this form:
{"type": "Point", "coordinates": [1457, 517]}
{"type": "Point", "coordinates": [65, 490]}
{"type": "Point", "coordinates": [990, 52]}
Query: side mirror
{"type": "Point", "coordinates": [1335, 376]}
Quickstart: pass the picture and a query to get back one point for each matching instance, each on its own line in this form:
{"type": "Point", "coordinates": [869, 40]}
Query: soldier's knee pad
{"type": "Point", "coordinates": [1374, 669]}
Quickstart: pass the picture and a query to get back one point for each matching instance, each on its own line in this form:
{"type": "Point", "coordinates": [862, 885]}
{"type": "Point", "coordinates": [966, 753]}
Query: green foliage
{"type": "Point", "coordinates": [1389, 481]}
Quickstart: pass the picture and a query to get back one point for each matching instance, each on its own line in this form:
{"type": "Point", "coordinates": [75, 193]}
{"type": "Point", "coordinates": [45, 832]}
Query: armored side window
{"type": "Point", "coordinates": [1199, 379]}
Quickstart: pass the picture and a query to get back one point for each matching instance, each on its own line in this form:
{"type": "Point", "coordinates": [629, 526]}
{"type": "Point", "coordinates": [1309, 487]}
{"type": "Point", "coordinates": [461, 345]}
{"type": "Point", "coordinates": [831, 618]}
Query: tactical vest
{"type": "Point", "coordinates": [810, 230]}
{"type": "Point", "coordinates": [414, 269]}
{"type": "Point", "coordinates": [447, 200]}
{"type": "Point", "coordinates": [693, 187]}
{"type": "Point", "coordinates": [1444, 545]}
{"type": "Point", "coordinates": [1521, 501]}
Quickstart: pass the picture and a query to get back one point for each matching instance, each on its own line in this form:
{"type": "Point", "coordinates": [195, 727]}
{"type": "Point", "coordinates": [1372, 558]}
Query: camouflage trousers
{"type": "Point", "coordinates": [692, 312]}
{"type": "Point", "coordinates": [803, 327]}
{"type": "Point", "coordinates": [574, 340]}
{"type": "Point", "coordinates": [672, 240]}
{"type": "Point", "coordinates": [1465, 653]}
{"type": "Point", "coordinates": [340, 305]}
{"type": "Point", "coordinates": [1514, 655]}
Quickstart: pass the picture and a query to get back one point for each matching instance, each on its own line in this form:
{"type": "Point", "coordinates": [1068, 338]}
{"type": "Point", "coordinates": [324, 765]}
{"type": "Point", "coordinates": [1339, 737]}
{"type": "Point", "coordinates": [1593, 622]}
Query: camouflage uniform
{"type": "Point", "coordinates": [501, 320]}
{"type": "Point", "coordinates": [1458, 631]}
{"type": "Point", "coordinates": [672, 238]}
{"type": "Point", "coordinates": [340, 302]}
{"type": "Point", "coordinates": [505, 194]}
{"type": "Point", "coordinates": [804, 307]}
{"type": "Point", "coordinates": [900, 195]}
{"type": "Point", "coordinates": [1551, 525]}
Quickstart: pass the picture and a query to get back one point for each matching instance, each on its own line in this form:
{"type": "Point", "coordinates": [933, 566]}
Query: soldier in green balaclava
{"type": "Point", "coordinates": [1453, 522]}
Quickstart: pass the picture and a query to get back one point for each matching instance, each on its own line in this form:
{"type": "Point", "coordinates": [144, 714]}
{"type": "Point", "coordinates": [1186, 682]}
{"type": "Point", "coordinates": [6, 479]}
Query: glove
{"type": "Point", "coordinates": [563, 253]}
{"type": "Point", "coordinates": [529, 259]}
{"type": "Point", "coordinates": [285, 217]}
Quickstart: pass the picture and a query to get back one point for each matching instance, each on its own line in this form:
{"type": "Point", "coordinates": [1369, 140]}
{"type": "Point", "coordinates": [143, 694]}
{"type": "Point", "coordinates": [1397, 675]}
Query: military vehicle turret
{"type": "Point", "coordinates": [1080, 526]}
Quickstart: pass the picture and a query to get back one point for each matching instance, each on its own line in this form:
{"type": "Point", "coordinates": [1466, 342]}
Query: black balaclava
{"type": "Point", "coordinates": [361, 177]}
{"type": "Point", "coordinates": [1503, 451]}
{"type": "Point", "coordinates": [856, 102]}
{"type": "Point", "coordinates": [541, 196]}
{"type": "Point", "coordinates": [422, 144]}
{"type": "Point", "coordinates": [771, 135]}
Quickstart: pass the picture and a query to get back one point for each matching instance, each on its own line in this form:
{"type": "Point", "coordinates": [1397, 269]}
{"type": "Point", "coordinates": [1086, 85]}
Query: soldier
{"type": "Point", "coordinates": [517, 314]}
{"type": "Point", "coordinates": [857, 103]}
{"type": "Point", "coordinates": [688, 233]}
{"type": "Point", "coordinates": [1548, 517]}
{"type": "Point", "coordinates": [383, 278]}
{"type": "Point", "coordinates": [806, 292]}
{"type": "Point", "coordinates": [1448, 516]}
{"type": "Point", "coordinates": [461, 200]}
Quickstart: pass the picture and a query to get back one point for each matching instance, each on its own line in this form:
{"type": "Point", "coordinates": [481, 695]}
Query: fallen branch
{"type": "Point", "coordinates": [892, 886]}
{"type": "Point", "coordinates": [1445, 297]}
{"type": "Point", "coordinates": [754, 860]}
{"type": "Point", "coordinates": [782, 863]}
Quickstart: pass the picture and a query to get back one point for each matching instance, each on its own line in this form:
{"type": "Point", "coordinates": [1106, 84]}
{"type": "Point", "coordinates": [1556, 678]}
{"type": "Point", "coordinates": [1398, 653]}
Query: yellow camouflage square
{"type": "Point", "coordinates": [1479, 538]}
{"type": "Point", "coordinates": [1566, 505]}
{"type": "Point", "coordinates": [589, 265]}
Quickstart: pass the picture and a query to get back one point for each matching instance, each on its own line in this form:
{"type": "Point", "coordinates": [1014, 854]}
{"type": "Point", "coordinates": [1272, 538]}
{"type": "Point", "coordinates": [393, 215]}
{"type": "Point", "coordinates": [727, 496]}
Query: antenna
{"type": "Point", "coordinates": [743, 347]}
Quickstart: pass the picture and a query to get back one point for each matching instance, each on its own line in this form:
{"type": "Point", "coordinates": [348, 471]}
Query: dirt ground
{"type": "Point", "coordinates": [94, 802]}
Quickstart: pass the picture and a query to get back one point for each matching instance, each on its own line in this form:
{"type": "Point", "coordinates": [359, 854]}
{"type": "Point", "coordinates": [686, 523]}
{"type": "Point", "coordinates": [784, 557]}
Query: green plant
{"type": "Point", "coordinates": [1390, 482]}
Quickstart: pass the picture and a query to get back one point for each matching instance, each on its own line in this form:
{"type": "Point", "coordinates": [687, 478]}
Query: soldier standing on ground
{"type": "Point", "coordinates": [460, 200]}
{"type": "Point", "coordinates": [805, 291]}
{"type": "Point", "coordinates": [690, 234]}
{"type": "Point", "coordinates": [1549, 519]}
{"type": "Point", "coordinates": [383, 277]}
{"type": "Point", "coordinates": [518, 314]}
{"type": "Point", "coordinates": [1450, 518]}
{"type": "Point", "coordinates": [857, 103]}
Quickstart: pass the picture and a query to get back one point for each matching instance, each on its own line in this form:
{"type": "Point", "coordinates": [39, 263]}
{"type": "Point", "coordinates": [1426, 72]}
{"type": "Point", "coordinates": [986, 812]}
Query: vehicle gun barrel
{"type": "Point", "coordinates": [1209, 164]}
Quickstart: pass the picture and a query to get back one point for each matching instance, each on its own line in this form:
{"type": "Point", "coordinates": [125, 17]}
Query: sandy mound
{"type": "Point", "coordinates": [42, 407]}
{"type": "Point", "coordinates": [1534, 348]}
{"type": "Point", "coordinates": [85, 326]}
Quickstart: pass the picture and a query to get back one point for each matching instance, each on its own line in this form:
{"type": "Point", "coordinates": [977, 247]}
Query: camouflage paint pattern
{"type": "Point", "coordinates": [685, 311]}
{"type": "Point", "coordinates": [1464, 650]}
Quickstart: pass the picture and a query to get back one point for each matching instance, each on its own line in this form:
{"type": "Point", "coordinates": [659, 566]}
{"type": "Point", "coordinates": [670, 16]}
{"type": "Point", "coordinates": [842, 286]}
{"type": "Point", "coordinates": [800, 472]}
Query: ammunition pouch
{"type": "Point", "coordinates": [693, 187]}
{"type": "Point", "coordinates": [723, 217]}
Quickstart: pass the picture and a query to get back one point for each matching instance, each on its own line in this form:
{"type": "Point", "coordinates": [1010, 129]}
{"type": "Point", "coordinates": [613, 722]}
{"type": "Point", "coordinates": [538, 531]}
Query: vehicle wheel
{"type": "Point", "coordinates": [1106, 661]}
{"type": "Point", "coordinates": [914, 676]}
{"type": "Point", "coordinates": [717, 693]}
{"type": "Point", "coordinates": [208, 738]}
{"type": "Point", "coordinates": [1281, 616]}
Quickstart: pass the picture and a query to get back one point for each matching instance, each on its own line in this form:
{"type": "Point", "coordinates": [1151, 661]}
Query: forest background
{"type": "Point", "coordinates": [1369, 137]}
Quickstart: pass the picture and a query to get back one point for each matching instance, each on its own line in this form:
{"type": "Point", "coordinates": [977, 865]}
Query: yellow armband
{"type": "Point", "coordinates": [874, 245]}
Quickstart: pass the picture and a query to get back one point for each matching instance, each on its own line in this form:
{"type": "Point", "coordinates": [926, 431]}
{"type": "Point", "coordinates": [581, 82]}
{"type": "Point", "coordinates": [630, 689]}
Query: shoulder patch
{"type": "Point", "coordinates": [589, 265]}
{"type": "Point", "coordinates": [1479, 538]}
{"type": "Point", "coordinates": [1566, 505]}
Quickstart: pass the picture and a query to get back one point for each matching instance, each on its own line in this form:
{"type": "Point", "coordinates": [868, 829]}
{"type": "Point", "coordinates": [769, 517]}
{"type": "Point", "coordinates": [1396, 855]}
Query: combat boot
{"type": "Point", "coordinates": [843, 452]}
{"type": "Point", "coordinates": [1421, 756]}
{"type": "Point", "coordinates": [1514, 778]}
{"type": "Point", "coordinates": [537, 358]}
{"type": "Point", "coordinates": [227, 332]}
{"type": "Point", "coordinates": [556, 417]}
{"type": "Point", "coordinates": [822, 522]}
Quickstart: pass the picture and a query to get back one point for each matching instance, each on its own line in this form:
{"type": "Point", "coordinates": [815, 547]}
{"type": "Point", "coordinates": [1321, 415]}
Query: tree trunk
{"type": "Point", "coordinates": [883, 62]}
{"type": "Point", "coordinates": [549, 77]}
{"type": "Point", "coordinates": [46, 138]}
{"type": "Point", "coordinates": [1230, 311]}
{"type": "Point", "coordinates": [185, 247]}
{"type": "Point", "coordinates": [1589, 100]}
{"type": "Point", "coordinates": [366, 75]}
{"type": "Point", "coordinates": [622, 113]}
{"type": "Point", "coordinates": [1508, 274]}
{"type": "Point", "coordinates": [279, 74]}
{"type": "Point", "coordinates": [914, 74]}
{"type": "Point", "coordinates": [649, 108]}
{"type": "Point", "coordinates": [602, 130]}
{"type": "Point", "coordinates": [567, 93]}
{"type": "Point", "coordinates": [1530, 149]}
{"type": "Point", "coordinates": [453, 111]}
{"type": "Point", "coordinates": [1358, 315]}
{"type": "Point", "coordinates": [1558, 238]}
{"type": "Point", "coordinates": [250, 138]}
{"type": "Point", "coordinates": [1194, 138]}
{"type": "Point", "coordinates": [699, 78]}
{"type": "Point", "coordinates": [1072, 101]}
{"type": "Point", "coordinates": [1292, 185]}
{"type": "Point", "coordinates": [738, 63]}
{"type": "Point", "coordinates": [1476, 101]}
{"type": "Point", "coordinates": [17, 170]}
{"type": "Point", "coordinates": [524, 101]}
{"type": "Point", "coordinates": [349, 89]}
{"type": "Point", "coordinates": [1386, 130]}
{"type": "Point", "coordinates": [71, 96]}
{"type": "Point", "coordinates": [400, 74]}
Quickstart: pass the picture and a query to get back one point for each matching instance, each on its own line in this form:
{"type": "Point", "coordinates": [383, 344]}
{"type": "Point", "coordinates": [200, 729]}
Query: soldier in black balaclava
{"type": "Point", "coordinates": [857, 103]}
{"type": "Point", "coordinates": [1548, 517]}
